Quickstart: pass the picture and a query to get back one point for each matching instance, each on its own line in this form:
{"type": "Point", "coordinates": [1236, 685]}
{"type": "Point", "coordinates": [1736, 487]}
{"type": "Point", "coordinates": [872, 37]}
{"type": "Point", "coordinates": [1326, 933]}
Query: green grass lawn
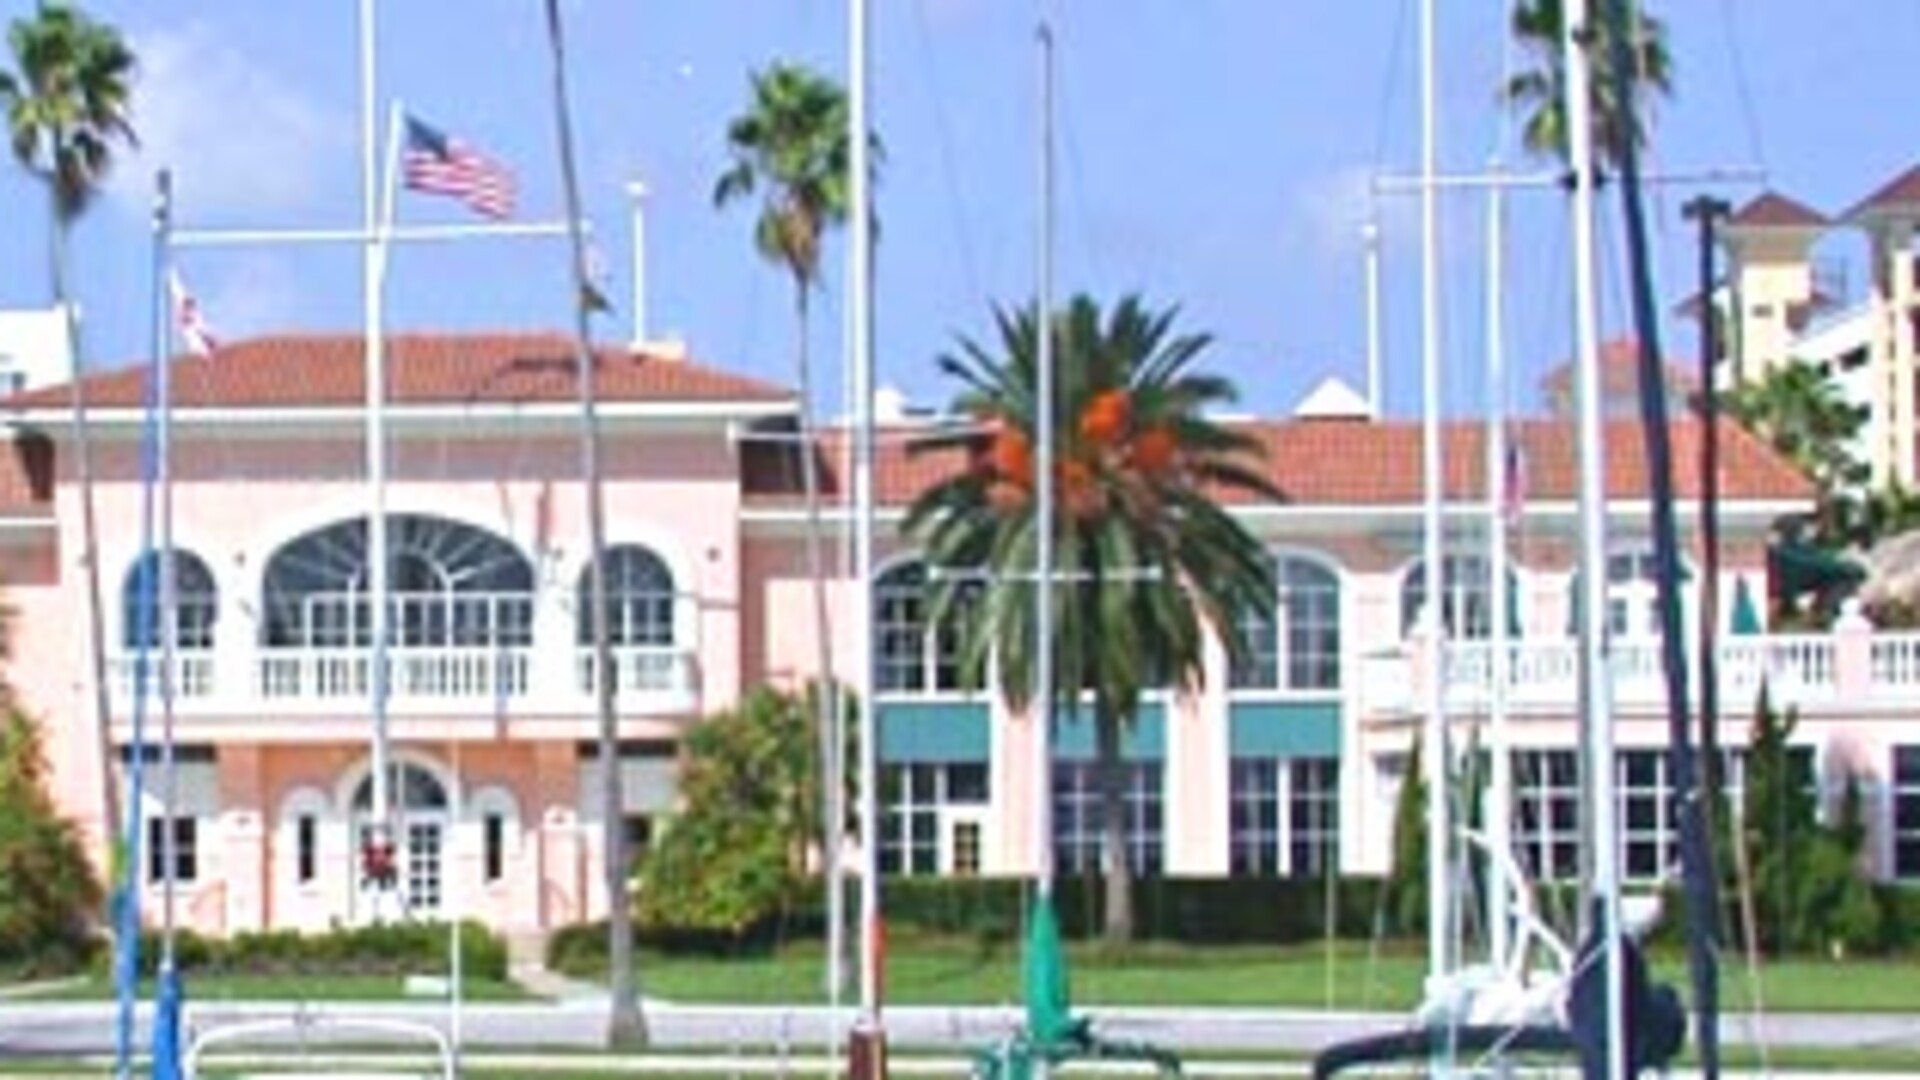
{"type": "Point", "coordinates": [1351, 976]}
{"type": "Point", "coordinates": [211, 987]}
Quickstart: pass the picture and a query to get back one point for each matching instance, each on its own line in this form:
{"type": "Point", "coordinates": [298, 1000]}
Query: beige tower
{"type": "Point", "coordinates": [1888, 216]}
{"type": "Point", "coordinates": [1768, 244]}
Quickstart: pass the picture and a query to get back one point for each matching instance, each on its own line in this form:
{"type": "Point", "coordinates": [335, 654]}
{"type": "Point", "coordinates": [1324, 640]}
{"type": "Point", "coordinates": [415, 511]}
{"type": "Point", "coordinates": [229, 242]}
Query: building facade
{"type": "Point", "coordinates": [1286, 763]}
{"type": "Point", "coordinates": [1787, 304]}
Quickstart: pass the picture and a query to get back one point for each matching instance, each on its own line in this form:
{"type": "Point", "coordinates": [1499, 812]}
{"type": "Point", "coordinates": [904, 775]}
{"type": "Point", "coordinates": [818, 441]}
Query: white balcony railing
{"type": "Point", "coordinates": [483, 678]}
{"type": "Point", "coordinates": [192, 675]}
{"type": "Point", "coordinates": [441, 674]}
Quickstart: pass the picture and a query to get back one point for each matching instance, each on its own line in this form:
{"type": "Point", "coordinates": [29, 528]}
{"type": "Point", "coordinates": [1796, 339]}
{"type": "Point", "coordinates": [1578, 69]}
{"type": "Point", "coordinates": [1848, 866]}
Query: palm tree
{"type": "Point", "coordinates": [1150, 557]}
{"type": "Point", "coordinates": [791, 146]}
{"type": "Point", "coordinates": [1540, 91]}
{"type": "Point", "coordinates": [1802, 415]}
{"type": "Point", "coordinates": [67, 105]}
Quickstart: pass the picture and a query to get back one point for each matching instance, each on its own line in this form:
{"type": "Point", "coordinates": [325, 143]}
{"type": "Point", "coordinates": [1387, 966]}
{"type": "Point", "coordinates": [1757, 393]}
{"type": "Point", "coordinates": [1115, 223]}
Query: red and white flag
{"type": "Point", "coordinates": [188, 320]}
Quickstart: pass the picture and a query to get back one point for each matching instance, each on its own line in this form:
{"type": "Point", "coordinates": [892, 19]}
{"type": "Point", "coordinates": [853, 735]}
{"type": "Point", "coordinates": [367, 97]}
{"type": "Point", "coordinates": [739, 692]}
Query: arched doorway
{"type": "Point", "coordinates": [422, 823]}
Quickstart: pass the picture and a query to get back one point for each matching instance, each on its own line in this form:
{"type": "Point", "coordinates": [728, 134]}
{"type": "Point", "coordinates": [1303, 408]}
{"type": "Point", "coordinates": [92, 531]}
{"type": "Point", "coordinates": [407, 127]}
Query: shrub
{"type": "Point", "coordinates": [49, 897]}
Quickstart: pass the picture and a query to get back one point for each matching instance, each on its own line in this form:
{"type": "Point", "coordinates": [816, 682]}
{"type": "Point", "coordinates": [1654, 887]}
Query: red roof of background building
{"type": "Point", "coordinates": [327, 370]}
{"type": "Point", "coordinates": [1771, 210]}
{"type": "Point", "coordinates": [1369, 463]}
{"type": "Point", "coordinates": [1900, 193]}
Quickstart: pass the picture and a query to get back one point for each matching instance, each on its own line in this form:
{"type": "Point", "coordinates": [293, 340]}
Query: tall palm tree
{"type": "Point", "coordinates": [791, 147]}
{"type": "Point", "coordinates": [67, 103]}
{"type": "Point", "coordinates": [1149, 557]}
{"type": "Point", "coordinates": [1540, 90]}
{"type": "Point", "coordinates": [626, 1023]}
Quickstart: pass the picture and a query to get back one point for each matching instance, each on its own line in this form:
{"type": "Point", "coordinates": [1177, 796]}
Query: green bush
{"type": "Point", "coordinates": [49, 898]}
{"type": "Point", "coordinates": [414, 948]}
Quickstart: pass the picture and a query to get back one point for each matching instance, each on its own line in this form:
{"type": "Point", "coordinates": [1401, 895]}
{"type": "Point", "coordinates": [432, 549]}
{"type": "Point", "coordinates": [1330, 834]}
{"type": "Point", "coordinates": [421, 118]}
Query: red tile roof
{"type": "Point", "coordinates": [328, 370]}
{"type": "Point", "coordinates": [1900, 194]}
{"type": "Point", "coordinates": [1620, 370]}
{"type": "Point", "coordinates": [1771, 210]}
{"type": "Point", "coordinates": [1367, 463]}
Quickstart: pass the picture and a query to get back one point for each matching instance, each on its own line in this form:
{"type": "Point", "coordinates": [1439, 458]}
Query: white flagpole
{"type": "Point", "coordinates": [860, 340]}
{"type": "Point", "coordinates": [1500, 795]}
{"type": "Point", "coordinates": [1439, 833]}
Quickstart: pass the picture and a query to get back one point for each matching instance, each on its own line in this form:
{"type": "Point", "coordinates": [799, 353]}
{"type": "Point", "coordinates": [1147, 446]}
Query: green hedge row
{"type": "Point", "coordinates": [412, 948]}
{"type": "Point", "coordinates": [992, 910]}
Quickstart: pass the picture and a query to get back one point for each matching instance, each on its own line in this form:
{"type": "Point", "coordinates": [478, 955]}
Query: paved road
{"type": "Point", "coordinates": [75, 1028]}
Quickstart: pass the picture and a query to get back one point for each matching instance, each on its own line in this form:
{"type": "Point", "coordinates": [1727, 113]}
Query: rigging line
{"type": "Point", "coordinates": [949, 173]}
{"type": "Point", "coordinates": [1742, 85]}
{"type": "Point", "coordinates": [1077, 173]}
{"type": "Point", "coordinates": [1390, 83]}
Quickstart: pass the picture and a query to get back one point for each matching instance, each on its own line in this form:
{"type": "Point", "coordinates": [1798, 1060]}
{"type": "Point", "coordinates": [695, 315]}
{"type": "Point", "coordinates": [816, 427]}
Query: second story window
{"type": "Point", "coordinates": [1294, 643]}
{"type": "Point", "coordinates": [640, 599]}
{"type": "Point", "coordinates": [1466, 597]}
{"type": "Point", "coordinates": [196, 602]}
{"type": "Point", "coordinates": [915, 656]}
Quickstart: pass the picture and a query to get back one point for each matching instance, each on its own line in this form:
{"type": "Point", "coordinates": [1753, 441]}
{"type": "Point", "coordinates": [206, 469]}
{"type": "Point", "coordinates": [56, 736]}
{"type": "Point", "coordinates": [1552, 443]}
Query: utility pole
{"type": "Point", "coordinates": [1703, 802]}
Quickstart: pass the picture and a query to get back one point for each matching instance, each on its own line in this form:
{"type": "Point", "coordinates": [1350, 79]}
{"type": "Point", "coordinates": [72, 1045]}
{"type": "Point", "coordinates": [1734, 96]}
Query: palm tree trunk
{"type": "Point", "coordinates": [89, 550]}
{"type": "Point", "coordinates": [827, 699]}
{"type": "Point", "coordinates": [626, 1023]}
{"type": "Point", "coordinates": [1110, 777]}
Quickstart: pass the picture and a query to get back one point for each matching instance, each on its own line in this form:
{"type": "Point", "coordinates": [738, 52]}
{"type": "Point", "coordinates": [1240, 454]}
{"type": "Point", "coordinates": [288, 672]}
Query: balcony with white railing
{"type": "Point", "coordinates": [1851, 667]}
{"type": "Point", "coordinates": [421, 680]}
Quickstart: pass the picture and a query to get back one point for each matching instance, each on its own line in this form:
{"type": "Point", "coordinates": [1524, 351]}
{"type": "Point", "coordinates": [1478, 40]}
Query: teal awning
{"type": "Point", "coordinates": [1798, 568]}
{"type": "Point", "coordinates": [1745, 618]}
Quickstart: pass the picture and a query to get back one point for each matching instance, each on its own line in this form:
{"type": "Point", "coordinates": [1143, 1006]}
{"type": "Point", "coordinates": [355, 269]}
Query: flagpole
{"type": "Point", "coordinates": [860, 341]}
{"type": "Point", "coordinates": [1500, 492]}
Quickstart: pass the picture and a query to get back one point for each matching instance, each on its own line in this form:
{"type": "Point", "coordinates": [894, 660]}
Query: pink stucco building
{"type": "Point", "coordinates": [1286, 764]}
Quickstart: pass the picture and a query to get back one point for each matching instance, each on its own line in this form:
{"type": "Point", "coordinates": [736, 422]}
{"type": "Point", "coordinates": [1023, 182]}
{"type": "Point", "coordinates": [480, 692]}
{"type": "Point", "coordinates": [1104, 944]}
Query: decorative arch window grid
{"type": "Point", "coordinates": [1293, 642]}
{"type": "Point", "coordinates": [196, 602]}
{"type": "Point", "coordinates": [915, 656]}
{"type": "Point", "coordinates": [449, 584]}
{"type": "Point", "coordinates": [1466, 598]}
{"type": "Point", "coordinates": [640, 599]}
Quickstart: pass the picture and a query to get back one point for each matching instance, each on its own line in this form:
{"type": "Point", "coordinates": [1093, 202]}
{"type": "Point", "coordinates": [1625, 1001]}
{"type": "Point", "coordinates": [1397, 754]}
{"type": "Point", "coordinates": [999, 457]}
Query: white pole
{"type": "Point", "coordinates": [456, 973]}
{"type": "Point", "coordinates": [169, 583]}
{"type": "Point", "coordinates": [1370, 238]}
{"type": "Point", "coordinates": [1500, 796]}
{"type": "Point", "coordinates": [1439, 906]}
{"type": "Point", "coordinates": [637, 199]}
{"type": "Point", "coordinates": [1043, 492]}
{"type": "Point", "coordinates": [1595, 651]}
{"type": "Point", "coordinates": [376, 463]}
{"type": "Point", "coordinates": [861, 363]}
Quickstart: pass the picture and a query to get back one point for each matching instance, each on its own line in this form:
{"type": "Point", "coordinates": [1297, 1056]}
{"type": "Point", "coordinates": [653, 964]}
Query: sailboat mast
{"type": "Point", "coordinates": [1043, 691]}
{"type": "Point", "coordinates": [1502, 494]}
{"type": "Point", "coordinates": [1596, 716]}
{"type": "Point", "coordinates": [1433, 629]}
{"type": "Point", "coordinates": [860, 348]}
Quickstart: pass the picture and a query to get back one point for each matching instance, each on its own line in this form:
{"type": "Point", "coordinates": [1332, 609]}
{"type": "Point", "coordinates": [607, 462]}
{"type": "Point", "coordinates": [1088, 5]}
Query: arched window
{"type": "Point", "coordinates": [196, 602]}
{"type": "Point", "coordinates": [639, 599]}
{"type": "Point", "coordinates": [912, 655]}
{"type": "Point", "coordinates": [449, 584]}
{"type": "Point", "coordinates": [1466, 598]}
{"type": "Point", "coordinates": [1294, 642]}
{"type": "Point", "coordinates": [411, 787]}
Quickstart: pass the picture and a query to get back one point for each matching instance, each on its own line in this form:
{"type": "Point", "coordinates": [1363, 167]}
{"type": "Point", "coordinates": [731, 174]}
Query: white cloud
{"type": "Point", "coordinates": [240, 139]}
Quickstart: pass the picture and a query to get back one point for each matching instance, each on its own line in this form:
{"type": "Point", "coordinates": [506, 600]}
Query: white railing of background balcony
{"type": "Point", "coordinates": [477, 673]}
{"type": "Point", "coordinates": [192, 674]}
{"type": "Point", "coordinates": [1895, 661]}
{"type": "Point", "coordinates": [642, 669]}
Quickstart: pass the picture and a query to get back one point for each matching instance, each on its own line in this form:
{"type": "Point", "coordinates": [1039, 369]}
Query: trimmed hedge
{"type": "Point", "coordinates": [991, 910]}
{"type": "Point", "coordinates": [412, 948]}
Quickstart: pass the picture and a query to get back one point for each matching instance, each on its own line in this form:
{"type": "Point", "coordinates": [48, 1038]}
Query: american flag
{"type": "Point", "coordinates": [188, 319]}
{"type": "Point", "coordinates": [438, 165]}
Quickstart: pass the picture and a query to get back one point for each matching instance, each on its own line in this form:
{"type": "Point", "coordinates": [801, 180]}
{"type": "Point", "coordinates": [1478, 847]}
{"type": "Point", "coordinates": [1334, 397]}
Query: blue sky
{"type": "Point", "coordinates": [1214, 154]}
